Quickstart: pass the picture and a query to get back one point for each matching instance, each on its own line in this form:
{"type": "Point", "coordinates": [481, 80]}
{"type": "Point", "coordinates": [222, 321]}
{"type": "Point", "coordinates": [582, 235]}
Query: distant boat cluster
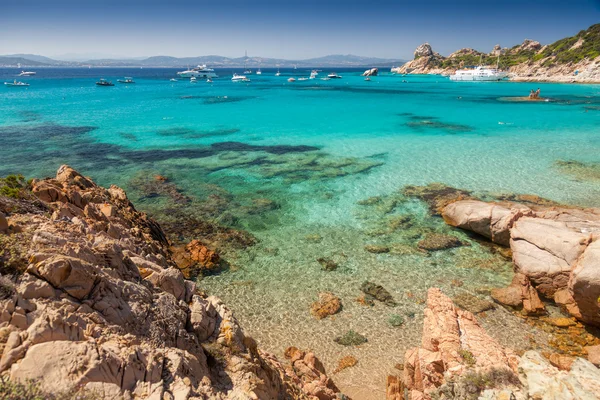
{"type": "Point", "coordinates": [479, 73]}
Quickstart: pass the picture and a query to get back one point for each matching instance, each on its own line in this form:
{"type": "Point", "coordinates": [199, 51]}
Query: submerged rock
{"type": "Point", "coordinates": [377, 292]}
{"type": "Point", "coordinates": [436, 195]}
{"type": "Point", "coordinates": [439, 241]}
{"type": "Point", "coordinates": [195, 258]}
{"type": "Point", "coordinates": [396, 320]}
{"type": "Point", "coordinates": [327, 264]}
{"type": "Point", "coordinates": [472, 303]}
{"type": "Point", "coordinates": [346, 362]}
{"type": "Point", "coordinates": [328, 304]}
{"type": "Point", "coordinates": [351, 338]}
{"type": "Point", "coordinates": [376, 249]}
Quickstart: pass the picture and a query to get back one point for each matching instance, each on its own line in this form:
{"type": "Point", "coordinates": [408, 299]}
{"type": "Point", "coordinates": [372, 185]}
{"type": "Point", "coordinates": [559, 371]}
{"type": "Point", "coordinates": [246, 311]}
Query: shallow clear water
{"type": "Point", "coordinates": [288, 162]}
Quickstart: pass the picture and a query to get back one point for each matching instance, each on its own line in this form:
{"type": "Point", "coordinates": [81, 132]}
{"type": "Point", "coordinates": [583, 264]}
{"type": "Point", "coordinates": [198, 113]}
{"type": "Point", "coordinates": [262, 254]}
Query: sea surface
{"type": "Point", "coordinates": [315, 170]}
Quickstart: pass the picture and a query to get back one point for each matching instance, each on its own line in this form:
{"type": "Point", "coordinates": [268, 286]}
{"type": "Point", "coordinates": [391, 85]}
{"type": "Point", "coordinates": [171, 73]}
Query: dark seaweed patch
{"type": "Point", "coordinates": [214, 149]}
{"type": "Point", "coordinates": [196, 134]}
{"type": "Point", "coordinates": [426, 124]}
{"type": "Point", "coordinates": [128, 136]}
{"type": "Point", "coordinates": [29, 116]}
{"type": "Point", "coordinates": [276, 149]}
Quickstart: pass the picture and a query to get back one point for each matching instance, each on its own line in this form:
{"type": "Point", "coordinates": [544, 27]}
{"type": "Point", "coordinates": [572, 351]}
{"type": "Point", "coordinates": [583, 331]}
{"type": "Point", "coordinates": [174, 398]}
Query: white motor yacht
{"type": "Point", "coordinates": [201, 71]}
{"type": "Point", "coordinates": [239, 78]}
{"type": "Point", "coordinates": [479, 74]}
{"type": "Point", "coordinates": [333, 75]}
{"type": "Point", "coordinates": [27, 73]}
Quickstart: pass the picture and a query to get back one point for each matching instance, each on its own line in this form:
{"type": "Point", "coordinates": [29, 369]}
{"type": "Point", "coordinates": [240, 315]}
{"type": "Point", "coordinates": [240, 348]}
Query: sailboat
{"type": "Point", "coordinates": [258, 71]}
{"type": "Point", "coordinates": [278, 73]}
{"type": "Point", "coordinates": [246, 70]}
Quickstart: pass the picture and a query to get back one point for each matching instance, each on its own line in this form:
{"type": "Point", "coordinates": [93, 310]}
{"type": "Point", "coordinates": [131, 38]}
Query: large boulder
{"type": "Point", "coordinates": [584, 284]}
{"type": "Point", "coordinates": [546, 251]}
{"type": "Point", "coordinates": [487, 219]}
{"type": "Point", "coordinates": [556, 249]}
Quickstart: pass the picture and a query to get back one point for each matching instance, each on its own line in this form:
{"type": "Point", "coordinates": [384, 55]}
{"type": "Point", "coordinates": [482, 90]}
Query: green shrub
{"type": "Point", "coordinates": [13, 186]}
{"type": "Point", "coordinates": [30, 390]}
{"type": "Point", "coordinates": [467, 356]}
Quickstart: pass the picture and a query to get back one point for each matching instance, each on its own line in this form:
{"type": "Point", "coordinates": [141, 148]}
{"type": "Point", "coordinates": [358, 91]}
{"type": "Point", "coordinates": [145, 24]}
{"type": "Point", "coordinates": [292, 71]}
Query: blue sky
{"type": "Point", "coordinates": [299, 29]}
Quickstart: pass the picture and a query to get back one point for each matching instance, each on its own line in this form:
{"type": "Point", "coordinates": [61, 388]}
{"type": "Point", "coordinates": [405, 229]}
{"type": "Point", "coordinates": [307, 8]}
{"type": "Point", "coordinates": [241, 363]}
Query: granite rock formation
{"type": "Point", "coordinates": [101, 307]}
{"type": "Point", "coordinates": [556, 249]}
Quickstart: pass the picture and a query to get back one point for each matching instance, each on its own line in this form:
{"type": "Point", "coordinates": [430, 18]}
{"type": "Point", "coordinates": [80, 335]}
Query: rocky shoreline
{"type": "Point", "coordinates": [93, 302]}
{"type": "Point", "coordinates": [94, 299]}
{"type": "Point", "coordinates": [570, 60]}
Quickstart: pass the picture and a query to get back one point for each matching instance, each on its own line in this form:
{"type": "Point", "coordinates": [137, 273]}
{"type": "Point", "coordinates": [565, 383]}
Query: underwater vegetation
{"type": "Point", "coordinates": [579, 170]}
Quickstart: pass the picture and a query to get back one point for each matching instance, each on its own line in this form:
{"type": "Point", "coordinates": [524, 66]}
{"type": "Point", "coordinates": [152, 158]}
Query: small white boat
{"type": "Point", "coordinates": [239, 78]}
{"type": "Point", "coordinates": [313, 74]}
{"type": "Point", "coordinates": [27, 73]}
{"type": "Point", "coordinates": [367, 79]}
{"type": "Point", "coordinates": [173, 80]}
{"type": "Point", "coordinates": [333, 75]}
{"type": "Point", "coordinates": [127, 79]}
{"type": "Point", "coordinates": [292, 80]}
{"type": "Point", "coordinates": [193, 79]}
{"type": "Point", "coordinates": [278, 73]}
{"type": "Point", "coordinates": [258, 72]}
{"type": "Point", "coordinates": [302, 79]}
{"type": "Point", "coordinates": [15, 83]}
{"type": "Point", "coordinates": [209, 80]}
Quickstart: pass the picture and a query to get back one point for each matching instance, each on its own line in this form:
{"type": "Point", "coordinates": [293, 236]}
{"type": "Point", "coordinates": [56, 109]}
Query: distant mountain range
{"type": "Point", "coordinates": [338, 60]}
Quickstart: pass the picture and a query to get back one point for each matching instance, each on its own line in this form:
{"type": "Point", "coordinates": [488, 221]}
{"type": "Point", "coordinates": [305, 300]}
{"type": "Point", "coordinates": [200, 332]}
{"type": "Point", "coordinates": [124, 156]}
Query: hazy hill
{"type": "Point", "coordinates": [211, 60]}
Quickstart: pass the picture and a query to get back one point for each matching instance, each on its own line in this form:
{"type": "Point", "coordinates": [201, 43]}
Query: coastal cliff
{"type": "Point", "coordinates": [93, 304]}
{"type": "Point", "coordinates": [572, 59]}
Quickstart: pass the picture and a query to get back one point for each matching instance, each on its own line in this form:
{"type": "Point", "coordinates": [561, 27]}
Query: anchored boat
{"type": "Point", "coordinates": [104, 82]}
{"type": "Point", "coordinates": [15, 83]}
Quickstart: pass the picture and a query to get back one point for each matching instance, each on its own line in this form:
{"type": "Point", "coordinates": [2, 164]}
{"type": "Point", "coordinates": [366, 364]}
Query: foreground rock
{"type": "Point", "coordinates": [102, 308]}
{"type": "Point", "coordinates": [328, 304]}
{"type": "Point", "coordinates": [452, 343]}
{"type": "Point", "coordinates": [459, 360]}
{"type": "Point", "coordinates": [556, 249]}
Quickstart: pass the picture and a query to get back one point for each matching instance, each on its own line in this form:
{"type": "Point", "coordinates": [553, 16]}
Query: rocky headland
{"type": "Point", "coordinates": [93, 304]}
{"type": "Point", "coordinates": [572, 59]}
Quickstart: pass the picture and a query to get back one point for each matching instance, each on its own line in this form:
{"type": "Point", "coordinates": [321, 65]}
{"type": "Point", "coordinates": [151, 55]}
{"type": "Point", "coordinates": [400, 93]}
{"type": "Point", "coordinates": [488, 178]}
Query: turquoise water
{"type": "Point", "coordinates": [289, 162]}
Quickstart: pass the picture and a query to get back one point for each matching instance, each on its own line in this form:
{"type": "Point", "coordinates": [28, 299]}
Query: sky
{"type": "Point", "coordinates": [281, 29]}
